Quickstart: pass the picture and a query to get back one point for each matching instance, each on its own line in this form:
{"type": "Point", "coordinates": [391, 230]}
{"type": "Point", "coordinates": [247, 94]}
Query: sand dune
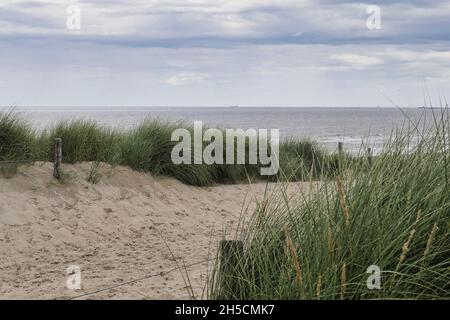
{"type": "Point", "coordinates": [128, 226]}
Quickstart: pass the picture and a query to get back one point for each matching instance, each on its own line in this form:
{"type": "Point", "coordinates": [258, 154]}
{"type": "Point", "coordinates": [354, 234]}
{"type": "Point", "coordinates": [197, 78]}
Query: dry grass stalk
{"type": "Point", "coordinates": [419, 214]}
{"type": "Point", "coordinates": [342, 201]}
{"type": "Point", "coordinates": [430, 240]}
{"type": "Point", "coordinates": [318, 287]}
{"type": "Point", "coordinates": [293, 255]}
{"type": "Point", "coordinates": [405, 249]}
{"type": "Point", "coordinates": [330, 244]}
{"type": "Point", "coordinates": [343, 280]}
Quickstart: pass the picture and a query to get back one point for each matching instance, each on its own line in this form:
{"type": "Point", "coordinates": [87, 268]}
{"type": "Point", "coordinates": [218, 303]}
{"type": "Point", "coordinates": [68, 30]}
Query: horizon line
{"type": "Point", "coordinates": [205, 106]}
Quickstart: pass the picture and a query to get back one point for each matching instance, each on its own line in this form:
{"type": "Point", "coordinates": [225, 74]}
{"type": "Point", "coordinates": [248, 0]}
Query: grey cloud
{"type": "Point", "coordinates": [18, 17]}
{"type": "Point", "coordinates": [255, 52]}
{"type": "Point", "coordinates": [178, 25]}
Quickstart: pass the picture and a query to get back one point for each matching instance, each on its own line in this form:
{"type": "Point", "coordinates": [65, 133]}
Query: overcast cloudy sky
{"type": "Point", "coordinates": [223, 52]}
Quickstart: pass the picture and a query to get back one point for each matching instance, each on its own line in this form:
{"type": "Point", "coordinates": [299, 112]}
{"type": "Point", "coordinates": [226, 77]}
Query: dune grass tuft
{"type": "Point", "coordinates": [147, 147]}
{"type": "Point", "coordinates": [393, 214]}
{"type": "Point", "coordinates": [17, 139]}
{"type": "Point", "coordinates": [83, 140]}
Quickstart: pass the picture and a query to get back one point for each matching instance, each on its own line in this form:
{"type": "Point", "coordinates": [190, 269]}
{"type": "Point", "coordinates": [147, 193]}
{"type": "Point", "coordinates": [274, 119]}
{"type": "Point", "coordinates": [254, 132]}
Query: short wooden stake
{"type": "Point", "coordinates": [231, 255]}
{"type": "Point", "coordinates": [369, 156]}
{"type": "Point", "coordinates": [340, 148]}
{"type": "Point", "coordinates": [57, 157]}
{"type": "Point", "coordinates": [341, 154]}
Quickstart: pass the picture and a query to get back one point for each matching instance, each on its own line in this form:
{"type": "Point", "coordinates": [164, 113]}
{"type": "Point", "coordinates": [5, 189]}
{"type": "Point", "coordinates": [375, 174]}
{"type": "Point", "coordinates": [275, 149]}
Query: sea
{"type": "Point", "coordinates": [327, 125]}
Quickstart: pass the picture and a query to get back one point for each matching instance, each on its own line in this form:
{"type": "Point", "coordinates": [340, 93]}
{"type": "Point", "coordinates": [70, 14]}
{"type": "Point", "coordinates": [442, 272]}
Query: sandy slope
{"type": "Point", "coordinates": [117, 230]}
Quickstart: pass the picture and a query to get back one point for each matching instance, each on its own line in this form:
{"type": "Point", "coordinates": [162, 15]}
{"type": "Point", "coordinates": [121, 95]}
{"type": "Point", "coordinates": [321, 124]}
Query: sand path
{"type": "Point", "coordinates": [116, 231]}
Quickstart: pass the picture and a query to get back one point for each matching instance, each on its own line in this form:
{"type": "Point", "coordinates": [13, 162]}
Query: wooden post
{"type": "Point", "coordinates": [340, 148]}
{"type": "Point", "coordinates": [231, 255]}
{"type": "Point", "coordinates": [57, 158]}
{"type": "Point", "coordinates": [369, 156]}
{"type": "Point", "coordinates": [341, 155]}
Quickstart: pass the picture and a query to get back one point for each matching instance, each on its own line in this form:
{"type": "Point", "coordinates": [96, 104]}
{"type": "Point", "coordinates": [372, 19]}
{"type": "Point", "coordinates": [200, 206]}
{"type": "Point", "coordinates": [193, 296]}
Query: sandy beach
{"type": "Point", "coordinates": [129, 226]}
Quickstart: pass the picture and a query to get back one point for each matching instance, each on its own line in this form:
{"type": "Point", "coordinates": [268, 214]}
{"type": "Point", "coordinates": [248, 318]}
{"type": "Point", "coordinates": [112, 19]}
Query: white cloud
{"type": "Point", "coordinates": [358, 61]}
{"type": "Point", "coordinates": [186, 78]}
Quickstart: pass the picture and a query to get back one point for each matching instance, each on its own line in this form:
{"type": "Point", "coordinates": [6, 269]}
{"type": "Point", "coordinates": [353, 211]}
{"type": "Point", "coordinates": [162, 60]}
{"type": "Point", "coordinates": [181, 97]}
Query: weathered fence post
{"type": "Point", "coordinates": [57, 157]}
{"type": "Point", "coordinates": [340, 148]}
{"type": "Point", "coordinates": [231, 255]}
{"type": "Point", "coordinates": [341, 155]}
{"type": "Point", "coordinates": [369, 156]}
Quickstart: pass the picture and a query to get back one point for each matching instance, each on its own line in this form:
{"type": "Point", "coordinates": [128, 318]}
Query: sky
{"type": "Point", "coordinates": [224, 53]}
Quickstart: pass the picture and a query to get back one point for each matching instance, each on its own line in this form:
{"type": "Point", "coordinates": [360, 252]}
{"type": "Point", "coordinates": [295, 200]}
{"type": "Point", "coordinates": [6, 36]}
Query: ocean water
{"type": "Point", "coordinates": [326, 125]}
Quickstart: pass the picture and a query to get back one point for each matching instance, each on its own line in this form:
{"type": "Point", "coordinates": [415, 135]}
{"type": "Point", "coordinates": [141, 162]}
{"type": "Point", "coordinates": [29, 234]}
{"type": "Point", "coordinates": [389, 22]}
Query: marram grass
{"type": "Point", "coordinates": [393, 213]}
{"type": "Point", "coordinates": [319, 244]}
{"type": "Point", "coordinates": [146, 147]}
{"type": "Point", "coordinates": [17, 139]}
